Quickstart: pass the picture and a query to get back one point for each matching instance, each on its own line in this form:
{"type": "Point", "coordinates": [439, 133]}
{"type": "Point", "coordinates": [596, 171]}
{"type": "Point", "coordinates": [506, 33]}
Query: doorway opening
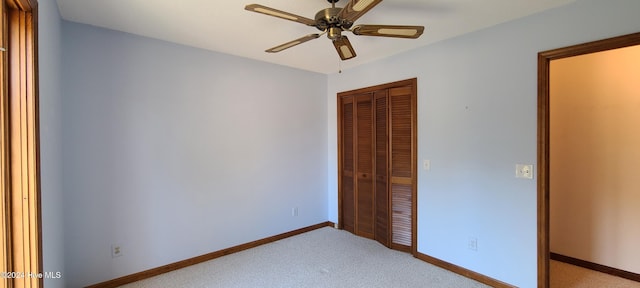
{"type": "Point", "coordinates": [544, 64]}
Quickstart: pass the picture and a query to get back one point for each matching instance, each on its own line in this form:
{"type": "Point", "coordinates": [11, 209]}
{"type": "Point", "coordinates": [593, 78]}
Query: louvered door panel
{"type": "Point", "coordinates": [381, 168]}
{"type": "Point", "coordinates": [400, 106]}
{"type": "Point", "coordinates": [347, 163]}
{"type": "Point", "coordinates": [401, 199]}
{"type": "Point", "coordinates": [364, 167]}
{"type": "Point", "coordinates": [401, 131]}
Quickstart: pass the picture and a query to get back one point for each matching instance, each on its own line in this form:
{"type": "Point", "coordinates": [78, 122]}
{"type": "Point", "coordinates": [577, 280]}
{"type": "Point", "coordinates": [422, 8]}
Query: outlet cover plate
{"type": "Point", "coordinates": [524, 171]}
{"type": "Point", "coordinates": [473, 244]}
{"type": "Point", "coordinates": [116, 250]}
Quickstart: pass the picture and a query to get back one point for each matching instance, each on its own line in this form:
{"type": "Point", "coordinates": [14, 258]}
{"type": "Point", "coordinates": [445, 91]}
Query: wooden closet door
{"type": "Point", "coordinates": [365, 211]}
{"type": "Point", "coordinates": [381, 167]}
{"type": "Point", "coordinates": [347, 162]}
{"type": "Point", "coordinates": [376, 150]}
{"type": "Point", "coordinates": [401, 147]}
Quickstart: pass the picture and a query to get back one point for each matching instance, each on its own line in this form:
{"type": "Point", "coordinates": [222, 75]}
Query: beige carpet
{"type": "Point", "coordinates": [321, 258]}
{"type": "Point", "coordinates": [564, 275]}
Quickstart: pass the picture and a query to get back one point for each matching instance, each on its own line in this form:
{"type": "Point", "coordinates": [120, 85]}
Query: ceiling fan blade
{"type": "Point", "coordinates": [280, 14]}
{"type": "Point", "coordinates": [292, 43]}
{"type": "Point", "coordinates": [397, 31]}
{"type": "Point", "coordinates": [356, 8]}
{"type": "Point", "coordinates": [344, 48]}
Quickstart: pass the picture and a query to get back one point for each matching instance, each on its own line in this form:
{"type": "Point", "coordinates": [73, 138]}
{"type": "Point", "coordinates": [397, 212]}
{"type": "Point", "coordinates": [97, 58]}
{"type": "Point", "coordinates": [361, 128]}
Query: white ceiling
{"type": "Point", "coordinates": [224, 26]}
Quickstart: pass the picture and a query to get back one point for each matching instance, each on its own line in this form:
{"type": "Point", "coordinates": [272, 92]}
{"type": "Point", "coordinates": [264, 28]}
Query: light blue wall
{"type": "Point", "coordinates": [477, 118]}
{"type": "Point", "coordinates": [154, 158]}
{"type": "Point", "coordinates": [52, 204]}
{"type": "Point", "coordinates": [173, 152]}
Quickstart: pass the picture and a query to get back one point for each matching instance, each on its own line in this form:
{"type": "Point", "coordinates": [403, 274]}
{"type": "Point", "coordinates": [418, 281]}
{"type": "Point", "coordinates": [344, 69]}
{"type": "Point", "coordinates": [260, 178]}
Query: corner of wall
{"type": "Point", "coordinates": [51, 195]}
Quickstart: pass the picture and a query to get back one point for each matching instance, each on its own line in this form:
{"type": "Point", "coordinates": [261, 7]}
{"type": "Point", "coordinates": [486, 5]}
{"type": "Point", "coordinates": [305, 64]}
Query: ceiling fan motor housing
{"type": "Point", "coordinates": [328, 18]}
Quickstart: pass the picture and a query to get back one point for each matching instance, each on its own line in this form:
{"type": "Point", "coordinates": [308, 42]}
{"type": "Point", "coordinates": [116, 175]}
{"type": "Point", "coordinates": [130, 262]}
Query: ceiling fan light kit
{"type": "Point", "coordinates": [333, 21]}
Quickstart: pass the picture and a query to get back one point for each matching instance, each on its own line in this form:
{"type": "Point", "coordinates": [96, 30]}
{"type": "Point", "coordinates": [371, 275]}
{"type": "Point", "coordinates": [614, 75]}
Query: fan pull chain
{"type": "Point", "coordinates": [339, 66]}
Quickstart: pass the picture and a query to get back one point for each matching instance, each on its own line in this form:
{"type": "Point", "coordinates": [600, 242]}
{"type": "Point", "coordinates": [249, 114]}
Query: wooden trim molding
{"type": "Point", "coordinates": [399, 83]}
{"type": "Point", "coordinates": [543, 172]}
{"type": "Point", "coordinates": [217, 254]}
{"type": "Point", "coordinates": [596, 267]}
{"type": "Point", "coordinates": [19, 146]}
{"type": "Point", "coordinates": [206, 257]}
{"type": "Point", "coordinates": [544, 59]}
{"type": "Point", "coordinates": [463, 271]}
{"type": "Point", "coordinates": [23, 5]}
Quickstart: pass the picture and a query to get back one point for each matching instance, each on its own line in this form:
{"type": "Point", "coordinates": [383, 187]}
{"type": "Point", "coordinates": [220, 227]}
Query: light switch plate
{"type": "Point", "coordinates": [426, 165]}
{"type": "Point", "coordinates": [524, 171]}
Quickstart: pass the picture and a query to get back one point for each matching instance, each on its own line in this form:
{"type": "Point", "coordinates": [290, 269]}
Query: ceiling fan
{"type": "Point", "coordinates": [333, 21]}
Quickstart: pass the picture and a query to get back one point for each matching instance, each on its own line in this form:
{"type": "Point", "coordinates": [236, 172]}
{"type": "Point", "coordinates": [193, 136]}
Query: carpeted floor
{"type": "Point", "coordinates": [325, 257]}
{"type": "Point", "coordinates": [565, 275]}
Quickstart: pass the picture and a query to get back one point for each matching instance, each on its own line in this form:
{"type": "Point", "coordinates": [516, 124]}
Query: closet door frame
{"type": "Point", "coordinates": [413, 82]}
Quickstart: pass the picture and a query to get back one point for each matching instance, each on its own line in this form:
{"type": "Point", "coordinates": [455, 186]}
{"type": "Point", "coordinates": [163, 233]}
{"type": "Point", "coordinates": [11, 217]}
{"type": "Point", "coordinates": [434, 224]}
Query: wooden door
{"type": "Point", "coordinates": [402, 166]}
{"type": "Point", "coordinates": [365, 206]}
{"type": "Point", "coordinates": [381, 161]}
{"type": "Point", "coordinates": [357, 162]}
{"type": "Point", "coordinates": [347, 142]}
{"type": "Point", "coordinates": [377, 163]}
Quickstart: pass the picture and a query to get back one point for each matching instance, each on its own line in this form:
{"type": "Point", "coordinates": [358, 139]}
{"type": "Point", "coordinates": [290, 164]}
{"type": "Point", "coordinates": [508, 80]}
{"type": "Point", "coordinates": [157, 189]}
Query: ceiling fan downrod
{"type": "Point", "coordinates": [333, 3]}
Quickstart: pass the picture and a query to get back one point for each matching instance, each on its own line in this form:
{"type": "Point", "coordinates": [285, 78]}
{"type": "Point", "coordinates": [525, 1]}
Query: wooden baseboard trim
{"type": "Point", "coordinates": [595, 267]}
{"type": "Point", "coordinates": [206, 257]}
{"type": "Point", "coordinates": [462, 271]}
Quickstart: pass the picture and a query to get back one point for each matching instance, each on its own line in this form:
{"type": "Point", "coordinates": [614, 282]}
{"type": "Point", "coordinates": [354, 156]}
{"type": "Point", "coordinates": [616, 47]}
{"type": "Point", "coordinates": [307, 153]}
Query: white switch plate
{"type": "Point", "coordinates": [426, 165]}
{"type": "Point", "coordinates": [524, 171]}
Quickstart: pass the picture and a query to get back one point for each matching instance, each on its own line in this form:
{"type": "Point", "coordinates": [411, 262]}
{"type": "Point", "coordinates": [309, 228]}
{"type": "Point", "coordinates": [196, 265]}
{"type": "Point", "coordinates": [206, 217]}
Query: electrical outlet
{"type": "Point", "coordinates": [473, 244]}
{"type": "Point", "coordinates": [294, 211]}
{"type": "Point", "coordinates": [116, 250]}
{"type": "Point", "coordinates": [524, 171]}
